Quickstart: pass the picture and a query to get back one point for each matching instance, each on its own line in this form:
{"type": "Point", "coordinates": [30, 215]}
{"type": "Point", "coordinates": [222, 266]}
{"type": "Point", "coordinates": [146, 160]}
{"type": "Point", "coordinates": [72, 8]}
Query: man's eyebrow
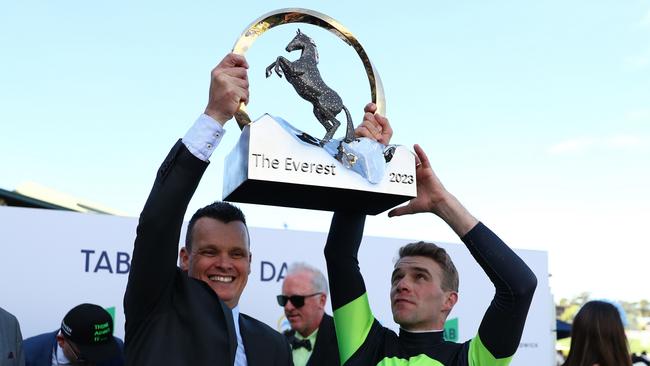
{"type": "Point", "coordinates": [422, 269]}
{"type": "Point", "coordinates": [415, 269]}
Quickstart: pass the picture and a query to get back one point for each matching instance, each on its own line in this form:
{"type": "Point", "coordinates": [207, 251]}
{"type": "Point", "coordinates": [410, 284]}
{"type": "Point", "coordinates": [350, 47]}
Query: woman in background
{"type": "Point", "coordinates": [598, 338]}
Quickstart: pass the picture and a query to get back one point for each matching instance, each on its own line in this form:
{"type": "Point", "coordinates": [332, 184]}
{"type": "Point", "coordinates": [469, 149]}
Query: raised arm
{"type": "Point", "coordinates": [352, 315]}
{"type": "Point", "coordinates": [153, 264]}
{"type": "Point", "coordinates": [503, 322]}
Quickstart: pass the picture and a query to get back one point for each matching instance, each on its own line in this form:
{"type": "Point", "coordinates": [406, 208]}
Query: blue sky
{"type": "Point", "coordinates": [535, 114]}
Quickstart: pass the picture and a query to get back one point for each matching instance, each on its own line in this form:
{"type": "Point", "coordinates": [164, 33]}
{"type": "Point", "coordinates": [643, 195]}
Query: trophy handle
{"type": "Point", "coordinates": [299, 15]}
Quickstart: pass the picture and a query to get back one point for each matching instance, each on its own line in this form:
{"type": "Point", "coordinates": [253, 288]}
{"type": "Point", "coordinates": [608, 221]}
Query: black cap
{"type": "Point", "coordinates": [90, 328]}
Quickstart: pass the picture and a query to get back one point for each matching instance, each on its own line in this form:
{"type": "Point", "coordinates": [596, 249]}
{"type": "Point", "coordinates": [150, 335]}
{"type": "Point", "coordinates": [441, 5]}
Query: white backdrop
{"type": "Point", "coordinates": [54, 260]}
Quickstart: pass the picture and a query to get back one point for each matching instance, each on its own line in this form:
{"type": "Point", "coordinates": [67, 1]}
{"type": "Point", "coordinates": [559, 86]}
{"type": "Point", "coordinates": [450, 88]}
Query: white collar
{"type": "Point", "coordinates": [422, 331]}
{"type": "Point", "coordinates": [58, 358]}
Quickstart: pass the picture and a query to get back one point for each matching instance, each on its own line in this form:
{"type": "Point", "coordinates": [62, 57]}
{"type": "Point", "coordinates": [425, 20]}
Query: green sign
{"type": "Point", "coordinates": [451, 330]}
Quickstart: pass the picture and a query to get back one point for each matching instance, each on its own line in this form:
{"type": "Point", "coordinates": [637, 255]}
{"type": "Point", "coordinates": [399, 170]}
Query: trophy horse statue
{"type": "Point", "coordinates": [303, 74]}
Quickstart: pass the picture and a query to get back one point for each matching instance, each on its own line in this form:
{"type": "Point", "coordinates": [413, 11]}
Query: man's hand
{"type": "Point", "coordinates": [374, 126]}
{"type": "Point", "coordinates": [228, 88]}
{"type": "Point", "coordinates": [430, 191]}
{"type": "Point", "coordinates": [433, 197]}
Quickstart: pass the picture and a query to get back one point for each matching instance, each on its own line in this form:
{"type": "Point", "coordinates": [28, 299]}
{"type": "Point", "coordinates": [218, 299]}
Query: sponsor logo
{"type": "Point", "coordinates": [272, 272]}
{"type": "Point", "coordinates": [528, 345]}
{"type": "Point", "coordinates": [66, 328]}
{"type": "Point", "coordinates": [101, 332]}
{"type": "Point", "coordinates": [451, 330]}
{"type": "Point", "coordinates": [101, 261]}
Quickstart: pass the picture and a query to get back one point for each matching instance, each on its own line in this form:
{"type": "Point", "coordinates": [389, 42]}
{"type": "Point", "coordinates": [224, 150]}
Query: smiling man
{"type": "Point", "coordinates": [217, 250]}
{"type": "Point", "coordinates": [190, 315]}
{"type": "Point", "coordinates": [424, 289]}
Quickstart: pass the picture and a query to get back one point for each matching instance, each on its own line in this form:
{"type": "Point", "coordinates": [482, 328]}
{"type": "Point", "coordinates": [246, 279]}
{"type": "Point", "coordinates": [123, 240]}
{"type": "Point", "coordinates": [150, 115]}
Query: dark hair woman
{"type": "Point", "coordinates": [598, 338]}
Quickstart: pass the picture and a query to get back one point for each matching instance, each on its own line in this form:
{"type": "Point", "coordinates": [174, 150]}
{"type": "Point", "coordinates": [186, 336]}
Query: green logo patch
{"type": "Point", "coordinates": [111, 311]}
{"type": "Point", "coordinates": [451, 330]}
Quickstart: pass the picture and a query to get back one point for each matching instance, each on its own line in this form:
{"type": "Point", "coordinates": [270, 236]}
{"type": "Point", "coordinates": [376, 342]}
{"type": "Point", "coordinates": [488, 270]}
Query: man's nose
{"type": "Point", "coordinates": [403, 285]}
{"type": "Point", "coordinates": [289, 306]}
{"type": "Point", "coordinates": [223, 261]}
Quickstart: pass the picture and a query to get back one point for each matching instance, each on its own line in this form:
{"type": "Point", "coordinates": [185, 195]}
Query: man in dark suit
{"type": "Point", "coordinates": [190, 315]}
{"type": "Point", "coordinates": [85, 338]}
{"type": "Point", "coordinates": [312, 336]}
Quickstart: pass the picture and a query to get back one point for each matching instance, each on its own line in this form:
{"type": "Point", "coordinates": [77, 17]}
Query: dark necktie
{"type": "Point", "coordinates": [297, 343]}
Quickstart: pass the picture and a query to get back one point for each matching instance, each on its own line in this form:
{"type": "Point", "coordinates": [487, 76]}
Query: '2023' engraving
{"type": "Point", "coordinates": [401, 178]}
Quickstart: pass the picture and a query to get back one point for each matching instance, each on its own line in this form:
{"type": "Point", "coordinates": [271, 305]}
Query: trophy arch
{"type": "Point", "coordinates": [307, 16]}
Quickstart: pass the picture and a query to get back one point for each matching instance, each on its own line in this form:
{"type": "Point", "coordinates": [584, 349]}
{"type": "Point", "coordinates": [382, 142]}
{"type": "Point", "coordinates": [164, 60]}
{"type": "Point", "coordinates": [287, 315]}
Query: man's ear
{"type": "Point", "coordinates": [250, 261]}
{"type": "Point", "coordinates": [450, 301]}
{"type": "Point", "coordinates": [322, 300]}
{"type": "Point", "coordinates": [185, 259]}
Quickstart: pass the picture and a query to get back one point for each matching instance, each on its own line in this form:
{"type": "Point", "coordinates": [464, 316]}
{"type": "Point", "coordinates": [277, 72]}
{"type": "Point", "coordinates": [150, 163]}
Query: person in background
{"type": "Point", "coordinates": [312, 336]}
{"type": "Point", "coordinates": [598, 337]}
{"type": "Point", "coordinates": [640, 360]}
{"type": "Point", "coordinates": [84, 339]}
{"type": "Point", "coordinates": [11, 341]}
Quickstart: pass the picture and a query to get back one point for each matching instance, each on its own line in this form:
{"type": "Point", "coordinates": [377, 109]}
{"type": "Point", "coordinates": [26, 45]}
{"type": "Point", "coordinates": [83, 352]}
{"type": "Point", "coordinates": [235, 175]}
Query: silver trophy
{"type": "Point", "coordinates": [275, 163]}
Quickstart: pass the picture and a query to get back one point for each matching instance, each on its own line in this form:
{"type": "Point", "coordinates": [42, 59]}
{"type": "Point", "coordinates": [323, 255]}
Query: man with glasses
{"type": "Point", "coordinates": [312, 336]}
{"type": "Point", "coordinates": [84, 339]}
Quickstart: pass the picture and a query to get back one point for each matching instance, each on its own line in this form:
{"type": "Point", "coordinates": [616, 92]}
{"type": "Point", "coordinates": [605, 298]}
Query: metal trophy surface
{"type": "Point", "coordinates": [275, 163]}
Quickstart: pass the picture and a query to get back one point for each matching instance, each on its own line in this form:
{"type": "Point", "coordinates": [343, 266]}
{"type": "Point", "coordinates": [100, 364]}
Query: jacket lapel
{"type": "Point", "coordinates": [325, 332]}
{"type": "Point", "coordinates": [253, 345]}
{"type": "Point", "coordinates": [232, 335]}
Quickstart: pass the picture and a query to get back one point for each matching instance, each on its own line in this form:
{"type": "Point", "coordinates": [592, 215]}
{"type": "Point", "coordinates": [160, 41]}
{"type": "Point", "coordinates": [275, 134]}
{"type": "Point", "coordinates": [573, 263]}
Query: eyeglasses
{"type": "Point", "coordinates": [79, 358]}
{"type": "Point", "coordinates": [297, 300]}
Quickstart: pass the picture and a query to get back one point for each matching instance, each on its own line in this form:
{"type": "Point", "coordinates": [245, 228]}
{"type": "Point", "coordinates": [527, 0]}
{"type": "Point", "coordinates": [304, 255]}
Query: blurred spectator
{"type": "Point", "coordinates": [85, 338]}
{"type": "Point", "coordinates": [559, 358]}
{"type": "Point", "coordinates": [312, 336]}
{"type": "Point", "coordinates": [598, 337]}
{"type": "Point", "coordinates": [11, 349]}
{"type": "Point", "coordinates": [640, 360]}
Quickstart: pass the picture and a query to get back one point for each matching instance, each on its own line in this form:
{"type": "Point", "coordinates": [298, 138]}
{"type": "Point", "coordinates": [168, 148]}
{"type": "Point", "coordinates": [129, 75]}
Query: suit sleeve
{"type": "Point", "coordinates": [20, 354]}
{"type": "Point", "coordinates": [155, 252]}
{"type": "Point", "coordinates": [287, 358]}
{"type": "Point", "coordinates": [503, 323]}
{"type": "Point", "coordinates": [353, 318]}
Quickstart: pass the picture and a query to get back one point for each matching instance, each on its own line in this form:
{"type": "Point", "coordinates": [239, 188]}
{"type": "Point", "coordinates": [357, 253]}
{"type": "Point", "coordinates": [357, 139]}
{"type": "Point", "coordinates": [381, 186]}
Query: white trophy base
{"type": "Point", "coordinates": [271, 166]}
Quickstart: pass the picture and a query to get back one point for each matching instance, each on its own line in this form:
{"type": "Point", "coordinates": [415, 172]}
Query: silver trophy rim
{"type": "Point", "coordinates": [300, 15]}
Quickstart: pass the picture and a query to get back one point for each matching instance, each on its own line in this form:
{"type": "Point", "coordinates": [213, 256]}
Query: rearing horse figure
{"type": "Point", "coordinates": [303, 74]}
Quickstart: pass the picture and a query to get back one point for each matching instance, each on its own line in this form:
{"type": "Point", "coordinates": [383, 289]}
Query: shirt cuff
{"type": "Point", "coordinates": [203, 137]}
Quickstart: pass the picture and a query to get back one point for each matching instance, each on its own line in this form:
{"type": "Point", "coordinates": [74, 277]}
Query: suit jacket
{"type": "Point", "coordinates": [326, 350]}
{"type": "Point", "coordinates": [172, 319]}
{"type": "Point", "coordinates": [264, 346]}
{"type": "Point", "coordinates": [11, 350]}
{"type": "Point", "coordinates": [38, 351]}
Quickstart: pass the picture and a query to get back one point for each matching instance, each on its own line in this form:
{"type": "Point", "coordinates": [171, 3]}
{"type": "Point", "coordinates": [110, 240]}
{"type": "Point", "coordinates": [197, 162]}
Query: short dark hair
{"type": "Point", "coordinates": [219, 210]}
{"type": "Point", "coordinates": [439, 255]}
